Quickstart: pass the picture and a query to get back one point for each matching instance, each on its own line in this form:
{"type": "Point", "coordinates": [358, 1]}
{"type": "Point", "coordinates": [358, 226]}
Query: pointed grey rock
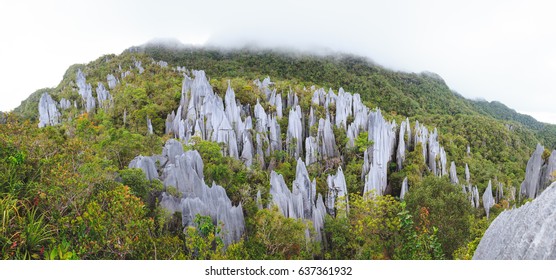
{"type": "Point", "coordinates": [147, 165]}
{"type": "Point", "coordinates": [311, 150]}
{"type": "Point", "coordinates": [139, 67]}
{"type": "Point", "coordinates": [337, 189]}
{"type": "Point", "coordinates": [530, 186]}
{"type": "Point", "coordinates": [65, 104]}
{"type": "Point", "coordinates": [294, 136]}
{"type": "Point", "coordinates": [453, 174]}
{"type": "Point", "coordinates": [86, 91]}
{"type": "Point", "coordinates": [48, 111]}
{"type": "Point", "coordinates": [149, 126]}
{"type": "Point", "coordinates": [549, 171]}
{"type": "Point", "coordinates": [326, 137]}
{"type": "Point", "coordinates": [405, 188]}
{"type": "Point", "coordinates": [488, 199]}
{"type": "Point", "coordinates": [112, 81]}
{"type": "Point", "coordinates": [380, 153]}
{"type": "Point", "coordinates": [103, 96]}
{"type": "Point", "coordinates": [525, 233]}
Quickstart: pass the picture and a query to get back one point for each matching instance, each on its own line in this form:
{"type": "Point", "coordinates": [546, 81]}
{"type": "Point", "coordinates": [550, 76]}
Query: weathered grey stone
{"type": "Point", "coordinates": [162, 64]}
{"type": "Point", "coordinates": [275, 136]}
{"type": "Point", "coordinates": [112, 81]}
{"type": "Point", "coordinates": [184, 171]}
{"type": "Point", "coordinates": [65, 104]}
{"type": "Point", "coordinates": [343, 108]}
{"type": "Point", "coordinates": [301, 202]}
{"type": "Point", "coordinates": [548, 171]}
{"type": "Point", "coordinates": [103, 96]}
{"type": "Point", "coordinates": [453, 174]}
{"type": "Point", "coordinates": [311, 150]}
{"type": "Point", "coordinates": [400, 155]}
{"type": "Point", "coordinates": [325, 136]}
{"type": "Point", "coordinates": [380, 153]}
{"type": "Point", "coordinates": [86, 91]}
{"type": "Point", "coordinates": [149, 126]}
{"type": "Point", "coordinates": [48, 111]}
{"type": "Point", "coordinates": [488, 199]}
{"type": "Point", "coordinates": [172, 149]}
{"type": "Point", "coordinates": [531, 185]}
{"type": "Point", "coordinates": [294, 136]}
{"type": "Point", "coordinates": [147, 165]}
{"type": "Point", "coordinates": [405, 188]}
{"type": "Point", "coordinates": [139, 67]}
{"type": "Point", "coordinates": [467, 174]}
{"type": "Point", "coordinates": [499, 192]}
{"type": "Point", "coordinates": [523, 233]}
{"type": "Point", "coordinates": [337, 189]}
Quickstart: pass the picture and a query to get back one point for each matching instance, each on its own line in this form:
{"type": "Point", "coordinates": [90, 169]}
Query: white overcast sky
{"type": "Point", "coordinates": [495, 50]}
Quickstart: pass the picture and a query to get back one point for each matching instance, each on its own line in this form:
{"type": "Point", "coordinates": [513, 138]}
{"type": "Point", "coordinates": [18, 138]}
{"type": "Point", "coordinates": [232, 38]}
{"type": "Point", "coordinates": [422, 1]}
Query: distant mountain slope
{"type": "Point", "coordinates": [408, 94]}
{"type": "Point", "coordinates": [545, 132]}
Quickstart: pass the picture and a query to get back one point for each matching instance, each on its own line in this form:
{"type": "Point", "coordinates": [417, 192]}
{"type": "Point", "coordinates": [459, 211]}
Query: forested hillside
{"type": "Point", "coordinates": [138, 156]}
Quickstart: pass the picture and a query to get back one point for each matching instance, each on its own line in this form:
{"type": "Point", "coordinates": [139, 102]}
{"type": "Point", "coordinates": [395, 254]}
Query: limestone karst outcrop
{"type": "Point", "coordinates": [539, 173]}
{"type": "Point", "coordinates": [523, 233]}
{"type": "Point", "coordinates": [183, 171]}
{"type": "Point", "coordinates": [48, 111]}
{"type": "Point", "coordinates": [301, 202]}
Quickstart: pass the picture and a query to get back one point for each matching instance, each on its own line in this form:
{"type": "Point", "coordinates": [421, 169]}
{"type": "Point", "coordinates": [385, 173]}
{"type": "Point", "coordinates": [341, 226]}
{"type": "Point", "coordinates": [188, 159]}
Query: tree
{"type": "Point", "coordinates": [446, 207]}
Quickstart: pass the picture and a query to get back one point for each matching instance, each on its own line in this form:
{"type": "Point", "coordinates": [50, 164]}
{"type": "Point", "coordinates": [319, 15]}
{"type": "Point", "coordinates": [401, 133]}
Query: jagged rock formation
{"type": "Point", "coordinates": [103, 96]}
{"type": "Point", "coordinates": [184, 172]}
{"type": "Point", "coordinates": [538, 174]}
{"type": "Point", "coordinates": [488, 199]}
{"type": "Point", "coordinates": [48, 111]}
{"type": "Point", "coordinates": [147, 165]}
{"type": "Point", "coordinates": [405, 188]}
{"type": "Point", "coordinates": [402, 148]}
{"type": "Point", "coordinates": [65, 104]}
{"type": "Point", "coordinates": [294, 136]}
{"type": "Point", "coordinates": [549, 172]}
{"type": "Point", "coordinates": [382, 135]}
{"type": "Point", "coordinates": [138, 66]}
{"type": "Point", "coordinates": [337, 189]}
{"type": "Point", "coordinates": [112, 81]}
{"type": "Point", "coordinates": [453, 174]}
{"type": "Point", "coordinates": [523, 233]}
{"type": "Point", "coordinates": [86, 91]}
{"type": "Point", "coordinates": [302, 202]}
{"type": "Point", "coordinates": [149, 126]}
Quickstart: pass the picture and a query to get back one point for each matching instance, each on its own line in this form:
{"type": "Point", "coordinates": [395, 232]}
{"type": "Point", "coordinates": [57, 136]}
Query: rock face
{"type": "Point", "coordinates": [381, 133]}
{"type": "Point", "coordinates": [48, 111]}
{"type": "Point", "coordinates": [539, 173]}
{"type": "Point", "coordinates": [184, 172]}
{"type": "Point", "coordinates": [488, 199]}
{"type": "Point", "coordinates": [523, 233]}
{"type": "Point", "coordinates": [86, 91]}
{"type": "Point", "coordinates": [302, 202]}
{"type": "Point", "coordinates": [337, 189]}
{"type": "Point", "coordinates": [453, 174]}
{"type": "Point", "coordinates": [405, 188]}
{"type": "Point", "coordinates": [147, 165]}
{"type": "Point", "coordinates": [112, 81]}
{"type": "Point", "coordinates": [103, 96]}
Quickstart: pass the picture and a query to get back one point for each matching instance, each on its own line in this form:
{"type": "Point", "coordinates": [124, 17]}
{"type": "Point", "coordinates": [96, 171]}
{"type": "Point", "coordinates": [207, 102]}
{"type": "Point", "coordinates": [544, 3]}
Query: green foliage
{"type": "Point", "coordinates": [418, 243]}
{"type": "Point", "coordinates": [446, 208]}
{"type": "Point", "coordinates": [278, 237]}
{"type": "Point", "coordinates": [137, 181]}
{"type": "Point", "coordinates": [203, 242]}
